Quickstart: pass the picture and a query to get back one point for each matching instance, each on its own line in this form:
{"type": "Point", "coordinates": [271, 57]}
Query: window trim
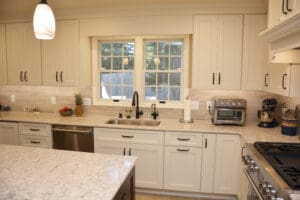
{"type": "Point", "coordinates": [139, 70]}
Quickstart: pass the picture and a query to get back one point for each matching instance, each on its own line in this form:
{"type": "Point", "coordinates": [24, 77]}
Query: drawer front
{"type": "Point", "coordinates": [183, 139]}
{"type": "Point", "coordinates": [35, 129]}
{"type": "Point", "coordinates": [34, 141]}
{"type": "Point", "coordinates": [129, 136]}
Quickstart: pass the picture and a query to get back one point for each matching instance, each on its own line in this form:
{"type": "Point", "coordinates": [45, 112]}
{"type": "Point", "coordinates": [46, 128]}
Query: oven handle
{"type": "Point", "coordinates": [253, 185]}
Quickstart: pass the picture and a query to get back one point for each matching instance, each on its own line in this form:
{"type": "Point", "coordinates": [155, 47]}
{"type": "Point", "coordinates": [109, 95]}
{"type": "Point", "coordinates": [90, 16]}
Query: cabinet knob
{"type": "Point", "coordinates": [56, 76]}
{"type": "Point", "coordinates": [283, 81]}
{"type": "Point", "coordinates": [21, 76]}
{"type": "Point", "coordinates": [25, 76]}
{"type": "Point", "coordinates": [61, 76]}
{"type": "Point", "coordinates": [283, 7]}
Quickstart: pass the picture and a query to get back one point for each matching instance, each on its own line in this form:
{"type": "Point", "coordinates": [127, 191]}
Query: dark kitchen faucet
{"type": "Point", "coordinates": [135, 102]}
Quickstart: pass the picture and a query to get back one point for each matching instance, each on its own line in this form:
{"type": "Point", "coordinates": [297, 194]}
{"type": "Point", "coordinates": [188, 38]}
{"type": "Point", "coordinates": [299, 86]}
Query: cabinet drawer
{"type": "Point", "coordinates": [129, 136]}
{"type": "Point", "coordinates": [34, 141]}
{"type": "Point", "coordinates": [183, 139]}
{"type": "Point", "coordinates": [35, 129]}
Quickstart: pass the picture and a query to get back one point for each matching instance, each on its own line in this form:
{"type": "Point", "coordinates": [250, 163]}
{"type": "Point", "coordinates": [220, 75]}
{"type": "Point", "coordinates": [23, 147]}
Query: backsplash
{"type": "Point", "coordinates": [41, 96]}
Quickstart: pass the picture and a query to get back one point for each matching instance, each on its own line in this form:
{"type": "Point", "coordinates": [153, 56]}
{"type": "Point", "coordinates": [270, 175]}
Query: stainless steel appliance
{"type": "Point", "coordinates": [76, 138]}
{"type": "Point", "coordinates": [272, 170]}
{"type": "Point", "coordinates": [229, 111]}
{"type": "Point", "coordinates": [266, 116]}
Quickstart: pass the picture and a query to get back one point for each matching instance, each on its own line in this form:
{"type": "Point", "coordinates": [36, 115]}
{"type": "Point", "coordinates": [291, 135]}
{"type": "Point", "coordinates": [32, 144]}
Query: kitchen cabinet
{"type": "Point", "coordinates": [146, 145]}
{"type": "Point", "coordinates": [255, 52]}
{"type": "Point", "coordinates": [243, 181]}
{"type": "Point", "coordinates": [23, 55]}
{"type": "Point", "coordinates": [60, 61]}
{"type": "Point", "coordinates": [221, 163]}
{"type": "Point", "coordinates": [217, 52]}
{"type": "Point", "coordinates": [35, 135]}
{"type": "Point", "coordinates": [182, 161]}
{"type": "Point", "coordinates": [9, 133]}
{"type": "Point", "coordinates": [3, 67]}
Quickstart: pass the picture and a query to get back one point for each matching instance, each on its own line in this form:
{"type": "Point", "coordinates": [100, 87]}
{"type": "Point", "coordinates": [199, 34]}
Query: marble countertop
{"type": "Point", "coordinates": [250, 133]}
{"type": "Point", "coordinates": [35, 174]}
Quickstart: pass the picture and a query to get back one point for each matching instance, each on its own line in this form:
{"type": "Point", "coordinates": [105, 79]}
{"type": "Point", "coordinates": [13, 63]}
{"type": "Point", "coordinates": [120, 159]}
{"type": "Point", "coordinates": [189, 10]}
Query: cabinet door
{"type": "Point", "coordinates": [280, 79]}
{"type": "Point", "coordinates": [229, 59]}
{"type": "Point", "coordinates": [254, 52]}
{"type": "Point", "coordinates": [205, 52]}
{"type": "Point", "coordinates": [61, 55]}
{"type": "Point", "coordinates": [23, 55]}
{"type": "Point", "coordinates": [208, 163]}
{"type": "Point", "coordinates": [149, 165]}
{"type": "Point", "coordinates": [116, 148]}
{"type": "Point", "coordinates": [295, 81]}
{"type": "Point", "coordinates": [274, 12]}
{"type": "Point", "coordinates": [182, 169]}
{"type": "Point", "coordinates": [9, 133]}
{"type": "Point", "coordinates": [3, 67]}
{"type": "Point", "coordinates": [227, 164]}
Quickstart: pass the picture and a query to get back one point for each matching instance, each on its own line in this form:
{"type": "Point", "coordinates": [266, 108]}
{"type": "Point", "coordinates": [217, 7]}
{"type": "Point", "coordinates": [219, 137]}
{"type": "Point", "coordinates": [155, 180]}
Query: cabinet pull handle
{"type": "Point", "coordinates": [34, 129]}
{"type": "Point", "coordinates": [61, 76]}
{"type": "Point", "coordinates": [184, 150]}
{"type": "Point", "coordinates": [124, 151]}
{"type": "Point", "coordinates": [56, 76]}
{"type": "Point", "coordinates": [213, 79]}
{"type": "Point", "coordinates": [205, 144]}
{"type": "Point", "coordinates": [266, 84]}
{"type": "Point", "coordinates": [283, 81]}
{"type": "Point", "coordinates": [35, 142]}
{"type": "Point", "coordinates": [183, 139]}
{"type": "Point", "coordinates": [282, 8]}
{"type": "Point", "coordinates": [287, 6]}
{"type": "Point", "coordinates": [219, 78]}
{"type": "Point", "coordinates": [127, 136]}
{"type": "Point", "coordinates": [21, 76]}
{"type": "Point", "coordinates": [129, 152]}
{"type": "Point", "coordinates": [25, 76]}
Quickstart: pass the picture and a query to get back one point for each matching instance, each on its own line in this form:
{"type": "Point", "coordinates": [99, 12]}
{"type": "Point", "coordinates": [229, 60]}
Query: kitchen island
{"type": "Point", "coordinates": [35, 174]}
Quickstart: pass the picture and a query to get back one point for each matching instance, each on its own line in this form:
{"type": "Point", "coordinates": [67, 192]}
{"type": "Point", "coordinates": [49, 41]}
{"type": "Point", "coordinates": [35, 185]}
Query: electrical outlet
{"type": "Point", "coordinates": [53, 100]}
{"type": "Point", "coordinates": [208, 105]}
{"type": "Point", "coordinates": [87, 101]}
{"type": "Point", "coordinates": [195, 105]}
{"type": "Point", "coordinates": [12, 98]}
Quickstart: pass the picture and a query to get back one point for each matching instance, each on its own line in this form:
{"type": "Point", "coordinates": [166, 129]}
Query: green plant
{"type": "Point", "coordinates": [78, 99]}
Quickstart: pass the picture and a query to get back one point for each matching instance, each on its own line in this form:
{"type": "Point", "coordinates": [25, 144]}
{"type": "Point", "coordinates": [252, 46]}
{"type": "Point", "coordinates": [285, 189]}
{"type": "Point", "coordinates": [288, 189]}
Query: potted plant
{"type": "Point", "coordinates": [78, 105]}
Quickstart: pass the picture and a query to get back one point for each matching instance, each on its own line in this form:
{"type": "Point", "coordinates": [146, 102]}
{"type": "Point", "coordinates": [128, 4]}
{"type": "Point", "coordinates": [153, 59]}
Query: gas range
{"type": "Point", "coordinates": [273, 170]}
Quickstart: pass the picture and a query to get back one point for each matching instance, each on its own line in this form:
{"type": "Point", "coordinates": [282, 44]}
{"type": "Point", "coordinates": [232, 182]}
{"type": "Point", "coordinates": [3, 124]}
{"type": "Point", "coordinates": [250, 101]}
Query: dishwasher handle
{"type": "Point", "coordinates": [65, 130]}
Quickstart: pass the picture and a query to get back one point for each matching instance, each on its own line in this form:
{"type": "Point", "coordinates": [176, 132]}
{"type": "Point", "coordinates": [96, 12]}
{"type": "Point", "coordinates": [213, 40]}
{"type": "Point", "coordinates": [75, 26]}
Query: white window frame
{"type": "Point", "coordinates": [139, 70]}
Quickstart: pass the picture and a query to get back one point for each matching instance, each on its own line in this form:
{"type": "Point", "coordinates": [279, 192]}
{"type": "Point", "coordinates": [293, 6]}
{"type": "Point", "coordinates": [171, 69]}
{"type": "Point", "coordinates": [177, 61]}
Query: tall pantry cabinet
{"type": "Point", "coordinates": [3, 68]}
{"type": "Point", "coordinates": [217, 57]}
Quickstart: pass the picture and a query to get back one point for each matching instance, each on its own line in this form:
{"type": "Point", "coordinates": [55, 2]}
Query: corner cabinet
{"type": "Point", "coordinates": [146, 145]}
{"type": "Point", "coordinates": [60, 61]}
{"type": "Point", "coordinates": [9, 133]}
{"type": "Point", "coordinates": [23, 55]}
{"type": "Point", "coordinates": [3, 67]}
{"type": "Point", "coordinates": [217, 52]}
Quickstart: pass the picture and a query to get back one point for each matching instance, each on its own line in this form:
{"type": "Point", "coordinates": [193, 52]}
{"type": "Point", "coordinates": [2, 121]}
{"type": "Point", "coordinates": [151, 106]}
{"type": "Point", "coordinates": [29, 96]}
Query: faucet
{"type": "Point", "coordinates": [154, 112]}
{"type": "Point", "coordinates": [135, 102]}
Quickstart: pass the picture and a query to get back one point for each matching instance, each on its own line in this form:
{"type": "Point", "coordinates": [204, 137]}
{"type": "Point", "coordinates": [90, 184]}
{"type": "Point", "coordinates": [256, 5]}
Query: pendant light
{"type": "Point", "coordinates": [44, 21]}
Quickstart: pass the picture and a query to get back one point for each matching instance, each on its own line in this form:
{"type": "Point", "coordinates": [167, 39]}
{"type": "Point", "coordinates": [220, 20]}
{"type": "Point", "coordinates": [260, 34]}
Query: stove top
{"type": "Point", "coordinates": [284, 158]}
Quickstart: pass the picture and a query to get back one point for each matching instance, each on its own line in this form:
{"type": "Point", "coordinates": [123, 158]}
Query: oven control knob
{"type": "Point", "coordinates": [262, 185]}
{"type": "Point", "coordinates": [254, 168]}
{"type": "Point", "coordinates": [279, 198]}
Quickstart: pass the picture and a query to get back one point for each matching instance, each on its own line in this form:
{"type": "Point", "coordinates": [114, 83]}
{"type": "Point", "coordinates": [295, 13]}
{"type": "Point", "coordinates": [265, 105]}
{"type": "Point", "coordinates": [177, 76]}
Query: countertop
{"type": "Point", "coordinates": [36, 173]}
{"type": "Point", "coordinates": [249, 133]}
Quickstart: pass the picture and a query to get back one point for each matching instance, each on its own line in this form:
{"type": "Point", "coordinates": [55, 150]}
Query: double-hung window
{"type": "Point", "coordinates": [156, 67]}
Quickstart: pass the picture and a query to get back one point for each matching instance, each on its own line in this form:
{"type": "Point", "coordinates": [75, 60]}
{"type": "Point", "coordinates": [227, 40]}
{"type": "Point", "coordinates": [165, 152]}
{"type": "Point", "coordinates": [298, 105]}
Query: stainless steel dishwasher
{"type": "Point", "coordinates": [76, 138]}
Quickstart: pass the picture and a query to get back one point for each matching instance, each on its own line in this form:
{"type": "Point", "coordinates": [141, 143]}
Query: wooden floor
{"type": "Point", "coordinates": [142, 196]}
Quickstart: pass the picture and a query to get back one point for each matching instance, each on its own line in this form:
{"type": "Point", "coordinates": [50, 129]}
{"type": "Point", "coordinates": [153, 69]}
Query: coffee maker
{"type": "Point", "coordinates": [266, 116]}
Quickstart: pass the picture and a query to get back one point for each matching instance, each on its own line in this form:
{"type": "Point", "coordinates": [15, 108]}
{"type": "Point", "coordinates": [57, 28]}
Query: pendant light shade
{"type": "Point", "coordinates": [44, 21]}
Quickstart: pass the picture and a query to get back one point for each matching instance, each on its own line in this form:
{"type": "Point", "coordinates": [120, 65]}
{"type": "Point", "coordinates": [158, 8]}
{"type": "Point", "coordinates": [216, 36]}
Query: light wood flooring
{"type": "Point", "coordinates": [143, 196]}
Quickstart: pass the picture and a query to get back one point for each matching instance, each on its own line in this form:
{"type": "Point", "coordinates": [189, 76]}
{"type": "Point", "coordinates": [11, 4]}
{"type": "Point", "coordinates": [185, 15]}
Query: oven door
{"type": "Point", "coordinates": [253, 192]}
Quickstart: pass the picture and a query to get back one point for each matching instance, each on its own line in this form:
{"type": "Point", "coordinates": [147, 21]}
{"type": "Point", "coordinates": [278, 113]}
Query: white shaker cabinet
{"type": "Point", "coordinates": [9, 133]}
{"type": "Point", "coordinates": [217, 52]}
{"type": "Point", "coordinates": [60, 61]}
{"type": "Point", "coordinates": [146, 145]}
{"type": "Point", "coordinates": [23, 55]}
{"type": "Point", "coordinates": [3, 67]}
{"type": "Point", "coordinates": [255, 53]}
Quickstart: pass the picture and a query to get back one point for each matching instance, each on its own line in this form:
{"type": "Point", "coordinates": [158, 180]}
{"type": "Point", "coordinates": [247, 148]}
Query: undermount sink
{"type": "Point", "coordinates": [139, 122]}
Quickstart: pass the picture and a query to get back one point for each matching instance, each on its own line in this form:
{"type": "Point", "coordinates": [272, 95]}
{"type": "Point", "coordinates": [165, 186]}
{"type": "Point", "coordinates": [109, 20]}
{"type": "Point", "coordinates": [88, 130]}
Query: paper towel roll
{"type": "Point", "coordinates": [187, 110]}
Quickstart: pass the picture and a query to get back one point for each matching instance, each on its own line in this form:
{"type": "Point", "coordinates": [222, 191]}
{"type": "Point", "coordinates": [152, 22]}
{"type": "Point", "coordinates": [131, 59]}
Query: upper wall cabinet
{"type": "Point", "coordinates": [3, 67]}
{"type": "Point", "coordinates": [60, 61]}
{"type": "Point", "coordinates": [255, 52]}
{"type": "Point", "coordinates": [217, 52]}
{"type": "Point", "coordinates": [23, 55]}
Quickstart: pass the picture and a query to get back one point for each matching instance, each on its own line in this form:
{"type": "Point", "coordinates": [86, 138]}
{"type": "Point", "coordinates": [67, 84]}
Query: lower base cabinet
{"type": "Point", "coordinates": [182, 170]}
{"type": "Point", "coordinates": [127, 190]}
{"type": "Point", "coordinates": [9, 133]}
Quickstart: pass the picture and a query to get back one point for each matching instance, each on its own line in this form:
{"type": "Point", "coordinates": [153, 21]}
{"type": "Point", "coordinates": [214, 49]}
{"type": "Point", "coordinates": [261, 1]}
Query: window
{"type": "Point", "coordinates": [157, 67]}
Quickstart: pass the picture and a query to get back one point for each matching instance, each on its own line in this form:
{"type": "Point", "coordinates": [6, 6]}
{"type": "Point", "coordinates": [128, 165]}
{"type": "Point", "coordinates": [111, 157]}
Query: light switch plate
{"type": "Point", "coordinates": [12, 98]}
{"type": "Point", "coordinates": [195, 105]}
{"type": "Point", "coordinates": [208, 105]}
{"type": "Point", "coordinates": [87, 101]}
{"type": "Point", "coordinates": [53, 100]}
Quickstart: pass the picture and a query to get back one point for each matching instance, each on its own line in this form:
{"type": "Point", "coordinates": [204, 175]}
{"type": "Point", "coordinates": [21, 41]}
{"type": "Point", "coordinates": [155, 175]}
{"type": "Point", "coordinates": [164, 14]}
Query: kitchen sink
{"type": "Point", "coordinates": [138, 122]}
